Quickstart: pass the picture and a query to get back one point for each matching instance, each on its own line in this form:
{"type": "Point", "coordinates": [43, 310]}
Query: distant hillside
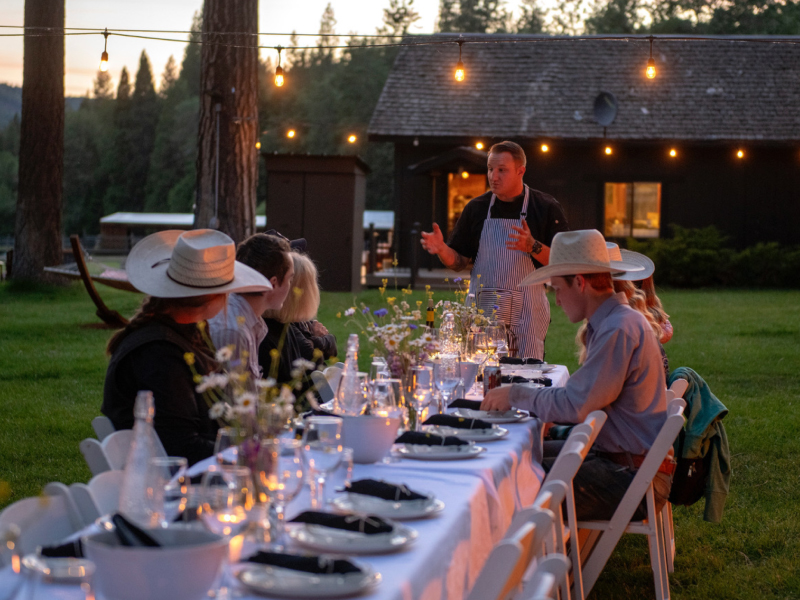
{"type": "Point", "coordinates": [11, 103]}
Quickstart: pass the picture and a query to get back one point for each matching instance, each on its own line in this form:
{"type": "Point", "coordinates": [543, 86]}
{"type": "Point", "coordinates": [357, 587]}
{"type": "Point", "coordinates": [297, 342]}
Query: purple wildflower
{"type": "Point", "coordinates": [365, 311]}
{"type": "Point", "coordinates": [412, 326]}
{"type": "Point", "coordinates": [457, 280]}
{"type": "Point", "coordinates": [494, 306]}
{"type": "Point", "coordinates": [381, 312]}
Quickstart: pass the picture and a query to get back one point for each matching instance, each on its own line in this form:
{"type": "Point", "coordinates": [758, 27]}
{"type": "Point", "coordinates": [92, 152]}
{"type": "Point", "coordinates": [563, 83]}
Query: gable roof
{"type": "Point", "coordinates": [528, 88]}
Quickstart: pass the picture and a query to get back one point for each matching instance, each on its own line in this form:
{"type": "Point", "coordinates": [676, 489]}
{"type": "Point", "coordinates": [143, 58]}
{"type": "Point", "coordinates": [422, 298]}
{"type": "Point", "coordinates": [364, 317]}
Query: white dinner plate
{"type": "Point", "coordinates": [423, 452]}
{"type": "Point", "coordinates": [330, 539]}
{"type": "Point", "coordinates": [472, 435]}
{"type": "Point", "coordinates": [348, 502]}
{"type": "Point", "coordinates": [509, 416]}
{"type": "Point", "coordinates": [288, 583]}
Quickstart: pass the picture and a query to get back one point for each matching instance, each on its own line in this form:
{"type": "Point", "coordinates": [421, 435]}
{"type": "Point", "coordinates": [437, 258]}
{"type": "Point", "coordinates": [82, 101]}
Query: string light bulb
{"type": "Point", "coordinates": [352, 139]}
{"type": "Point", "coordinates": [650, 71]}
{"type": "Point", "coordinates": [545, 148]}
{"type": "Point", "coordinates": [479, 145]}
{"type": "Point", "coordinates": [291, 133]}
{"type": "Point", "coordinates": [464, 175]}
{"type": "Point", "coordinates": [673, 153]}
{"type": "Point", "coordinates": [608, 150]}
{"type": "Point", "coordinates": [258, 145]}
{"type": "Point", "coordinates": [740, 153]}
{"type": "Point", "coordinates": [104, 55]}
{"type": "Point", "coordinates": [279, 79]}
{"type": "Point", "coordinates": [460, 73]}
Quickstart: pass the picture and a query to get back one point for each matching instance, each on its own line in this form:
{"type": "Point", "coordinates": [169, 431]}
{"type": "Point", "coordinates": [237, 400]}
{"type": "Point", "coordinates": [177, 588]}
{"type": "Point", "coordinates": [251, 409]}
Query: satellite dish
{"type": "Point", "coordinates": [605, 108]}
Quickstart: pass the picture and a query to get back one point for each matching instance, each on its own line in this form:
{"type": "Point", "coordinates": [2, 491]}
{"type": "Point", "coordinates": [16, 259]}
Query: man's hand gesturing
{"type": "Point", "coordinates": [433, 242]}
{"type": "Point", "coordinates": [522, 240]}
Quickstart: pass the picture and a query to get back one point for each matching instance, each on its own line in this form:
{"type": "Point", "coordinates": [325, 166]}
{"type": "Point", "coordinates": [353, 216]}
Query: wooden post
{"type": "Point", "coordinates": [372, 264]}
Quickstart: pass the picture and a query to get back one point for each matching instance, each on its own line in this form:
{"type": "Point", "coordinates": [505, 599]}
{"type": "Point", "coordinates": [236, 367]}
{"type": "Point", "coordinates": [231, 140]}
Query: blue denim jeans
{"type": "Point", "coordinates": [600, 484]}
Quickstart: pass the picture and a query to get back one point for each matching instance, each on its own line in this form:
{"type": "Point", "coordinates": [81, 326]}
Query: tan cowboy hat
{"type": "Point", "coordinates": [184, 264]}
{"type": "Point", "coordinates": [629, 256]}
{"type": "Point", "coordinates": [577, 252]}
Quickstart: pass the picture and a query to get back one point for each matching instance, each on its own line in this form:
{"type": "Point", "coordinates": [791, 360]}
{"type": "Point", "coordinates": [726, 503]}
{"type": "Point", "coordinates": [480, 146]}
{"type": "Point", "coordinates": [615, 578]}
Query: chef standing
{"type": "Point", "coordinates": [503, 235]}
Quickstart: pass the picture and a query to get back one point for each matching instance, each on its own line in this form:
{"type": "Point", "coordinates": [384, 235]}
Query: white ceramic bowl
{"type": "Point", "coordinates": [370, 437]}
{"type": "Point", "coordinates": [184, 569]}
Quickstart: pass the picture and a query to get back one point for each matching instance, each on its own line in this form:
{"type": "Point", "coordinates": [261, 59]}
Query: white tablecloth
{"type": "Point", "coordinates": [481, 496]}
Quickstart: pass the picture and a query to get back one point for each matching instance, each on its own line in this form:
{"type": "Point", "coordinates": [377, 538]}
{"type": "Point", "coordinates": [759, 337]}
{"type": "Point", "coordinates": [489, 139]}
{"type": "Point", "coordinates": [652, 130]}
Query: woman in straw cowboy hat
{"type": "Point", "coordinates": [186, 276]}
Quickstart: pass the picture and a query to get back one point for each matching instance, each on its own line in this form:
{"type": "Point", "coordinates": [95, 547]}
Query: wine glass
{"type": "Point", "coordinates": [478, 349]}
{"type": "Point", "coordinates": [170, 484]}
{"type": "Point", "coordinates": [226, 446]}
{"type": "Point", "coordinates": [447, 374]}
{"type": "Point", "coordinates": [378, 369]}
{"type": "Point", "coordinates": [322, 448]}
{"type": "Point", "coordinates": [421, 392]}
{"type": "Point", "coordinates": [281, 472]}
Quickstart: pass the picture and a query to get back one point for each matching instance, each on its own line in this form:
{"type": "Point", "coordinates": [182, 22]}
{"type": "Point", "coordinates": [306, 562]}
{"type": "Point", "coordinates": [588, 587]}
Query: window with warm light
{"type": "Point", "coordinates": [633, 209]}
{"type": "Point", "coordinates": [461, 188]}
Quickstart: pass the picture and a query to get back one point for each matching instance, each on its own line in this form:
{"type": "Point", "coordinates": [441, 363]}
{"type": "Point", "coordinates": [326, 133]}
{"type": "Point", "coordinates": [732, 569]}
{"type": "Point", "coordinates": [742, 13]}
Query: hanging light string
{"type": "Point", "coordinates": [650, 70]}
{"type": "Point", "coordinates": [104, 55]}
{"type": "Point", "coordinates": [459, 73]}
{"type": "Point", "coordinates": [279, 78]}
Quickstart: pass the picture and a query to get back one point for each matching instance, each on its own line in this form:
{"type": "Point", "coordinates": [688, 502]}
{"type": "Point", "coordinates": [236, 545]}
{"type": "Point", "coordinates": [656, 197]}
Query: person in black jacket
{"type": "Point", "coordinates": [187, 276]}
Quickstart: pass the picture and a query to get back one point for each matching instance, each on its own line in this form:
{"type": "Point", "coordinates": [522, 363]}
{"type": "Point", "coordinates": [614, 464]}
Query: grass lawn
{"type": "Point", "coordinates": [745, 343]}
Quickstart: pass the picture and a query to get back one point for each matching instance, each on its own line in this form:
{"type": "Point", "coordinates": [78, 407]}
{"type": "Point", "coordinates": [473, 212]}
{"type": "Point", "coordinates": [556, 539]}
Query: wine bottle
{"type": "Point", "coordinates": [429, 320]}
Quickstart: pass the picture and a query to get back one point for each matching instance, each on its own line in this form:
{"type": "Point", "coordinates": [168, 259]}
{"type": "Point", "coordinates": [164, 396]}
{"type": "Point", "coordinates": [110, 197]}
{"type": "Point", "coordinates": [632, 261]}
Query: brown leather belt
{"type": "Point", "coordinates": [634, 461]}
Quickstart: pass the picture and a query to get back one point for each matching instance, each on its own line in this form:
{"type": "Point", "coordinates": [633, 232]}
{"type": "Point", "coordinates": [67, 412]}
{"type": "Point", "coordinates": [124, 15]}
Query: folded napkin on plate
{"type": "Point", "coordinates": [457, 422]}
{"type": "Point", "coordinates": [381, 489]}
{"type": "Point", "coordinates": [368, 525]}
{"type": "Point", "coordinates": [73, 549]}
{"type": "Point", "coordinates": [429, 439]}
{"type": "Point", "coordinates": [319, 565]}
{"type": "Point", "coordinates": [461, 403]}
{"type": "Point", "coordinates": [512, 360]}
{"type": "Point", "coordinates": [318, 413]}
{"type": "Point", "coordinates": [545, 381]}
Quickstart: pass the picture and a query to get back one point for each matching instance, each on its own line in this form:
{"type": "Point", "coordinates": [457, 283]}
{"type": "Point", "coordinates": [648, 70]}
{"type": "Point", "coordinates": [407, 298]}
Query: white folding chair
{"type": "Point", "coordinates": [676, 390]}
{"type": "Point", "coordinates": [641, 487]}
{"type": "Point", "coordinates": [112, 452]}
{"type": "Point", "coordinates": [502, 575]}
{"type": "Point", "coordinates": [591, 425]}
{"type": "Point", "coordinates": [42, 520]}
{"type": "Point", "coordinates": [322, 386]}
{"type": "Point", "coordinates": [333, 375]}
{"type": "Point", "coordinates": [103, 427]}
{"type": "Point", "coordinates": [550, 573]}
{"type": "Point", "coordinates": [99, 497]}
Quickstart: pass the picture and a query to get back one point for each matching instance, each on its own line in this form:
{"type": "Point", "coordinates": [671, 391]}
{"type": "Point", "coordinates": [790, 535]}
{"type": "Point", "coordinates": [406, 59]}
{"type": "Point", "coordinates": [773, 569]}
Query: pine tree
{"type": "Point", "coordinates": [103, 90]}
{"type": "Point", "coordinates": [398, 17]}
{"type": "Point", "coordinates": [168, 78]}
{"type": "Point", "coordinates": [531, 19]}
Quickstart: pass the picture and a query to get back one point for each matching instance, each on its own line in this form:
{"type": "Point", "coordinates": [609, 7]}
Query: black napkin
{"type": "Point", "coordinates": [461, 403]}
{"type": "Point", "coordinates": [457, 422]}
{"type": "Point", "coordinates": [130, 534]}
{"type": "Point", "coordinates": [512, 360]}
{"type": "Point", "coordinates": [368, 525]}
{"type": "Point", "coordinates": [429, 439]}
{"type": "Point", "coordinates": [321, 565]}
{"type": "Point", "coordinates": [381, 489]}
{"type": "Point", "coordinates": [546, 381]}
{"type": "Point", "coordinates": [318, 413]}
{"type": "Point", "coordinates": [72, 549]}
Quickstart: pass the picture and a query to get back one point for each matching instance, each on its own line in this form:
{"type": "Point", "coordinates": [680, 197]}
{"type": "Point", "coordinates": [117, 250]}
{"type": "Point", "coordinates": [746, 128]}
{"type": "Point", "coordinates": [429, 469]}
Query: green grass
{"type": "Point", "coordinates": [745, 343]}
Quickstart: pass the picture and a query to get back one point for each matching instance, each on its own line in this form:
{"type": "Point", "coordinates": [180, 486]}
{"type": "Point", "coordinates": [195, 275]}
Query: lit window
{"type": "Point", "coordinates": [633, 210]}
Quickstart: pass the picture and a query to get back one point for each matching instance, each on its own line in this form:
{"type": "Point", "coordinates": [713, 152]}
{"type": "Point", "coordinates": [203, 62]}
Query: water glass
{"type": "Point", "coordinates": [226, 447]}
{"type": "Point", "coordinates": [168, 487]}
{"type": "Point", "coordinates": [420, 388]}
{"type": "Point", "coordinates": [281, 473]}
{"type": "Point", "coordinates": [227, 498]}
{"type": "Point", "coordinates": [343, 475]}
{"type": "Point", "coordinates": [447, 374]}
{"type": "Point", "coordinates": [322, 449]}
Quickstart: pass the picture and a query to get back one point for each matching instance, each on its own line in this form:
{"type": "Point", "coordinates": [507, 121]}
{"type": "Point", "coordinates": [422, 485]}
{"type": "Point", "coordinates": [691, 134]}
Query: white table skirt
{"type": "Point", "coordinates": [481, 496]}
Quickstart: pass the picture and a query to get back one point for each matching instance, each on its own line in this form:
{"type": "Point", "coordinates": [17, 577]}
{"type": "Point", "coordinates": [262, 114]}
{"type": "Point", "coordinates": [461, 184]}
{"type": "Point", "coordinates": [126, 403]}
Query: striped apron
{"type": "Point", "coordinates": [524, 310]}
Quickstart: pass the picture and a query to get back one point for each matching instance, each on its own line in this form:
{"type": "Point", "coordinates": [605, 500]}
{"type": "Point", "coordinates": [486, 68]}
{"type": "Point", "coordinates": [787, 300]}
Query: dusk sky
{"type": "Point", "coordinates": [83, 52]}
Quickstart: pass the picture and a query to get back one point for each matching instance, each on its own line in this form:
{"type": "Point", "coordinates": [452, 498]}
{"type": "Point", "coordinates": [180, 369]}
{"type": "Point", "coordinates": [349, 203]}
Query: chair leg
{"type": "Point", "coordinates": [669, 536]}
{"type": "Point", "coordinates": [657, 543]}
{"type": "Point", "coordinates": [574, 549]}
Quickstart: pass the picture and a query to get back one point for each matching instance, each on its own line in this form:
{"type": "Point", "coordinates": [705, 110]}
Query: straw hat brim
{"type": "Point", "coordinates": [543, 274]}
{"type": "Point", "coordinates": [147, 267]}
{"type": "Point", "coordinates": [648, 268]}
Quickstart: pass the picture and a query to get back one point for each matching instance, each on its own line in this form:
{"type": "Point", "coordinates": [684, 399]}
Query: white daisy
{"type": "Point", "coordinates": [217, 411]}
{"type": "Point", "coordinates": [224, 354]}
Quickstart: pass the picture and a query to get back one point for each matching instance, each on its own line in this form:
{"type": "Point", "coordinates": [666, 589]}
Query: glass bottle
{"type": "Point", "coordinates": [136, 501]}
{"type": "Point", "coordinates": [348, 396]}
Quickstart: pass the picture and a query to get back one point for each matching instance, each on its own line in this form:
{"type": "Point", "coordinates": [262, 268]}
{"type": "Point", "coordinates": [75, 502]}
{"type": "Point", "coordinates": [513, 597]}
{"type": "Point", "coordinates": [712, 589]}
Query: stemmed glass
{"type": "Point", "coordinates": [322, 448]}
{"type": "Point", "coordinates": [421, 392]}
{"type": "Point", "coordinates": [226, 446]}
{"type": "Point", "coordinates": [169, 484]}
{"type": "Point", "coordinates": [477, 348]}
{"type": "Point", "coordinates": [447, 374]}
{"type": "Point", "coordinates": [281, 472]}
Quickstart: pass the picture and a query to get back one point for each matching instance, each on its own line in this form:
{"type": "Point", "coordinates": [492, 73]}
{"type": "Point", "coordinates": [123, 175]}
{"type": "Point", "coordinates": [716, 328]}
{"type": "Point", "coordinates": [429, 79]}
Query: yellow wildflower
{"type": "Point", "coordinates": [240, 321]}
{"type": "Point", "coordinates": [201, 325]}
{"type": "Point", "coordinates": [390, 301]}
{"type": "Point", "coordinates": [339, 315]}
{"type": "Point", "coordinates": [197, 378]}
{"type": "Point", "coordinates": [273, 354]}
{"type": "Point", "coordinates": [189, 358]}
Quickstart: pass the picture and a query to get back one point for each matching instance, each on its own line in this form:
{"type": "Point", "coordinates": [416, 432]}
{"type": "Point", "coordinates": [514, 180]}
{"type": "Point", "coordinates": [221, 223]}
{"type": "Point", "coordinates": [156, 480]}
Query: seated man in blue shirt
{"type": "Point", "coordinates": [623, 375]}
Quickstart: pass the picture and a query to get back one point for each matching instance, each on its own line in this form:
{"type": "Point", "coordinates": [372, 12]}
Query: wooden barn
{"type": "Point", "coordinates": [713, 139]}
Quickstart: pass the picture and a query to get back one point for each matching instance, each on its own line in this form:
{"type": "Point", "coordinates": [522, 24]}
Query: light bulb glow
{"type": "Point", "coordinates": [352, 139]}
{"type": "Point", "coordinates": [650, 71]}
{"type": "Point", "coordinates": [291, 133]}
{"type": "Point", "coordinates": [673, 153]}
{"type": "Point", "coordinates": [479, 145]}
{"type": "Point", "coordinates": [608, 150]}
{"type": "Point", "coordinates": [258, 145]}
{"type": "Point", "coordinates": [740, 154]}
{"type": "Point", "coordinates": [545, 148]}
{"type": "Point", "coordinates": [104, 61]}
{"type": "Point", "coordinates": [464, 175]}
{"type": "Point", "coordinates": [279, 80]}
{"type": "Point", "coordinates": [459, 71]}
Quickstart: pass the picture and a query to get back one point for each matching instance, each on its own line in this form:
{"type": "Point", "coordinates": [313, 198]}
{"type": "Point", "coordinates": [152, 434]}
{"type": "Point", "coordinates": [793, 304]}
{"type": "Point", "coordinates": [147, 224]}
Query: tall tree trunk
{"type": "Point", "coordinates": [229, 91]}
{"type": "Point", "coordinates": [37, 231]}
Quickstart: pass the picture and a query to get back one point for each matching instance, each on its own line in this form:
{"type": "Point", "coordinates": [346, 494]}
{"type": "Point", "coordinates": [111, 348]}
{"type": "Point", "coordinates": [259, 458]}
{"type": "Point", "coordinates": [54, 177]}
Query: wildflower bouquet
{"type": "Point", "coordinates": [465, 311]}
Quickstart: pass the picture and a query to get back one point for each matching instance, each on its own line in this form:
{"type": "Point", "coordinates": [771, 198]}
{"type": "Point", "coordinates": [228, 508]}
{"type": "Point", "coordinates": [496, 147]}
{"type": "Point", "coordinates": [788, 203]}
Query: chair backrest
{"type": "Point", "coordinates": [636, 491]}
{"type": "Point", "coordinates": [569, 459]}
{"type": "Point", "coordinates": [42, 520]}
{"type": "Point", "coordinates": [100, 497]}
{"type": "Point", "coordinates": [92, 451]}
{"type": "Point", "coordinates": [679, 387]}
{"type": "Point", "coordinates": [117, 445]}
{"type": "Point", "coordinates": [591, 425]}
{"type": "Point", "coordinates": [550, 572]}
{"type": "Point", "coordinates": [103, 427]}
{"type": "Point", "coordinates": [504, 569]}
{"type": "Point", "coordinates": [333, 375]}
{"type": "Point", "coordinates": [323, 387]}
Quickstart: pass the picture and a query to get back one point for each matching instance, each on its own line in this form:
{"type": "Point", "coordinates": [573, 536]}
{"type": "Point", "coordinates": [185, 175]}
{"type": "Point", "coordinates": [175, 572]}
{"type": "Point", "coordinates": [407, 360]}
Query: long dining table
{"type": "Point", "coordinates": [481, 496]}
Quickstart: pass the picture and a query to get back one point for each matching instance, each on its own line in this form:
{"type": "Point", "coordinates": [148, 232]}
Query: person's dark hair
{"type": "Point", "coordinates": [150, 310]}
{"type": "Point", "coordinates": [513, 149]}
{"type": "Point", "coordinates": [267, 254]}
{"type": "Point", "coordinates": [600, 282]}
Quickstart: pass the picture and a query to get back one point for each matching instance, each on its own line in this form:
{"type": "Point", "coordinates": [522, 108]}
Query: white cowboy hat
{"type": "Point", "coordinates": [616, 253]}
{"type": "Point", "coordinates": [577, 252]}
{"type": "Point", "coordinates": [184, 264]}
